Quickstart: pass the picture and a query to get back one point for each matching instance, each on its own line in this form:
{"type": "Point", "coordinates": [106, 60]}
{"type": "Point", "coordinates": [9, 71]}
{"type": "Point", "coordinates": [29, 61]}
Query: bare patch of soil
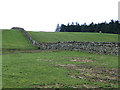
{"type": "Point", "coordinates": [89, 86]}
{"type": "Point", "coordinates": [83, 61]}
{"type": "Point", "coordinates": [66, 65]}
{"type": "Point", "coordinates": [80, 59]}
{"type": "Point", "coordinates": [93, 73]}
{"type": "Point", "coordinates": [104, 64]}
{"type": "Point", "coordinates": [47, 86]}
{"type": "Point", "coordinates": [43, 60]}
{"type": "Point", "coordinates": [69, 57]}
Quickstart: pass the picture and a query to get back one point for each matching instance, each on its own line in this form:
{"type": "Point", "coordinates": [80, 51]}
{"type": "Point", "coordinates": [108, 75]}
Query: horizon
{"type": "Point", "coordinates": [38, 15]}
{"type": "Point", "coordinates": [64, 24]}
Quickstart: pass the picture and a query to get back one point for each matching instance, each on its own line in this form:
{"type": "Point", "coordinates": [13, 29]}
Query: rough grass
{"type": "Point", "coordinates": [73, 36]}
{"type": "Point", "coordinates": [15, 39]}
{"type": "Point", "coordinates": [63, 69]}
{"type": "Point", "coordinates": [58, 69]}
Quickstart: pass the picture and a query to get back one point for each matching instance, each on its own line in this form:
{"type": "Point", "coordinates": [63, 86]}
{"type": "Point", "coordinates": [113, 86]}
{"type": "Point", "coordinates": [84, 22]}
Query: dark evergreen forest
{"type": "Point", "coordinates": [104, 27]}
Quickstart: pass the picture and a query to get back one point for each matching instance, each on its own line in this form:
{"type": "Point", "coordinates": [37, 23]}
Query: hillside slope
{"type": "Point", "coordinates": [73, 36]}
{"type": "Point", "coordinates": [15, 39]}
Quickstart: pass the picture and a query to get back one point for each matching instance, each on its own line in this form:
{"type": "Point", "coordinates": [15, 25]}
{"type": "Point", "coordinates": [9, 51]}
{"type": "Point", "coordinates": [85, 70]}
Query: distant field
{"type": "Point", "coordinates": [14, 39]}
{"type": "Point", "coordinates": [73, 36]}
{"type": "Point", "coordinates": [62, 69]}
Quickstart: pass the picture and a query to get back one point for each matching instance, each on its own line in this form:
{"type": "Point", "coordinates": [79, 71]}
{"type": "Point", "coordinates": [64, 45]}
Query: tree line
{"type": "Point", "coordinates": [104, 27]}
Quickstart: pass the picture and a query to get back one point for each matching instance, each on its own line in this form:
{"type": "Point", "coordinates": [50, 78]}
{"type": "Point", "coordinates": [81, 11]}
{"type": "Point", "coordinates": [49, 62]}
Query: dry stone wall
{"type": "Point", "coordinates": [30, 38]}
{"type": "Point", "coordinates": [109, 48]}
{"type": "Point", "coordinates": [27, 35]}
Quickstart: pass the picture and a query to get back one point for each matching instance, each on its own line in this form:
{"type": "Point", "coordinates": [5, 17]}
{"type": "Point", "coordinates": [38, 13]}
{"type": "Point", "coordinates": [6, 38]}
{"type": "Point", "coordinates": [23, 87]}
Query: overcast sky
{"type": "Point", "coordinates": [44, 15]}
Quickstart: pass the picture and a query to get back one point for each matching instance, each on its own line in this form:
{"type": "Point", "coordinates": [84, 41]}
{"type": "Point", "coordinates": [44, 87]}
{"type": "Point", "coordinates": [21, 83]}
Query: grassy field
{"type": "Point", "coordinates": [63, 69]}
{"type": "Point", "coordinates": [31, 68]}
{"type": "Point", "coordinates": [15, 39]}
{"type": "Point", "coordinates": [73, 36]}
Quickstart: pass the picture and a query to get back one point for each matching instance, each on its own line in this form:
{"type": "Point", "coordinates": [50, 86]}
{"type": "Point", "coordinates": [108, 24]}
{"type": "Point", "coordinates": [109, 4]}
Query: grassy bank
{"type": "Point", "coordinates": [15, 39]}
{"type": "Point", "coordinates": [73, 36]}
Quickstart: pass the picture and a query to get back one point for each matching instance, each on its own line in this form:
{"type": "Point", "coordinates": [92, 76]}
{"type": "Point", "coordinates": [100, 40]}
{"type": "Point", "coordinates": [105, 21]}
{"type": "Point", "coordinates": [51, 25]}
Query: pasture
{"type": "Point", "coordinates": [23, 66]}
{"type": "Point", "coordinates": [73, 36]}
{"type": "Point", "coordinates": [59, 69]}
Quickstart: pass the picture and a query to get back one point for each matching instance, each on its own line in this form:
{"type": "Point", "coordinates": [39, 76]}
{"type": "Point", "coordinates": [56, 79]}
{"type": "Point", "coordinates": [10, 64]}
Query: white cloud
{"type": "Point", "coordinates": [44, 15]}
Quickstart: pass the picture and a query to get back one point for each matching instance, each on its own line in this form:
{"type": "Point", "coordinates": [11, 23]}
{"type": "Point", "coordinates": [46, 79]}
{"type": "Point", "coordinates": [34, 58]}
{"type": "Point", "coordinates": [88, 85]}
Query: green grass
{"type": "Point", "coordinates": [59, 70]}
{"type": "Point", "coordinates": [73, 36]}
{"type": "Point", "coordinates": [15, 39]}
{"type": "Point", "coordinates": [30, 68]}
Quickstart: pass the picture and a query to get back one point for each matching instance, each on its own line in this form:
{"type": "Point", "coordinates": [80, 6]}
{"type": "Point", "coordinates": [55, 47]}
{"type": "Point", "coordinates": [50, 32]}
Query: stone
{"type": "Point", "coordinates": [19, 28]}
{"type": "Point", "coordinates": [109, 48]}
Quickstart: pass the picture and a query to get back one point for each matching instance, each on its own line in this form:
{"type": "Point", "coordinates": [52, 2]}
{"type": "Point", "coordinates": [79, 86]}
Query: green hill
{"type": "Point", "coordinates": [73, 36]}
{"type": "Point", "coordinates": [15, 39]}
